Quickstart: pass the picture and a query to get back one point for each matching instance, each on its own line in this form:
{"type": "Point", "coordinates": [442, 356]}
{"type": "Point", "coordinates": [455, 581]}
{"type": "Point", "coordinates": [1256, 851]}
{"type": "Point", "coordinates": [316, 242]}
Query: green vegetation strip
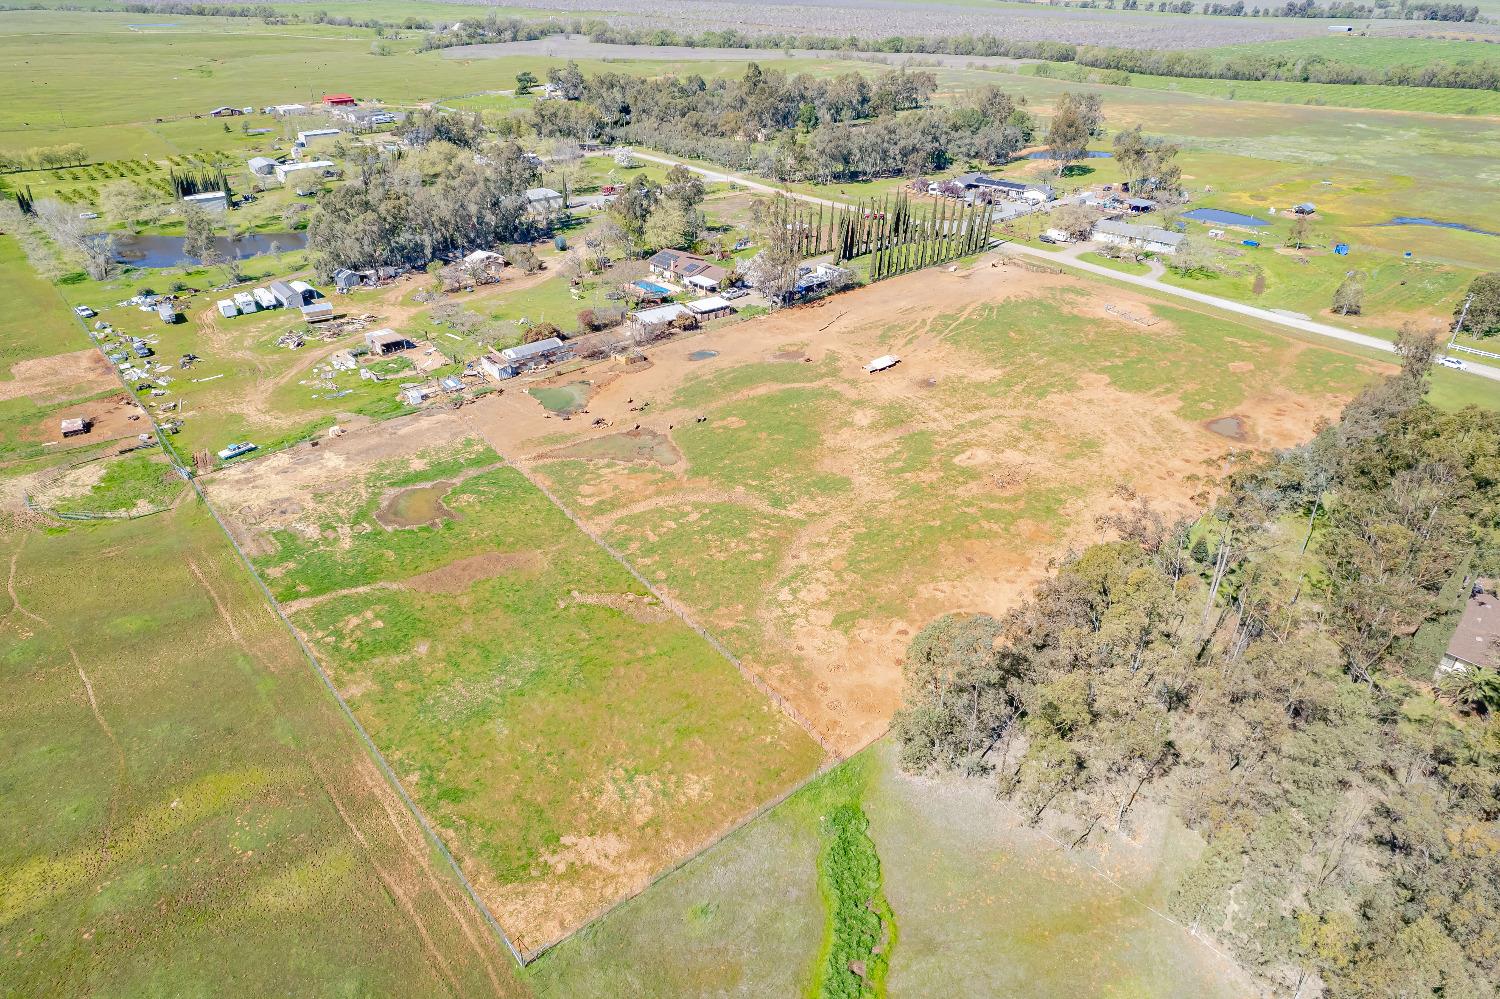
{"type": "Point", "coordinates": [861, 929]}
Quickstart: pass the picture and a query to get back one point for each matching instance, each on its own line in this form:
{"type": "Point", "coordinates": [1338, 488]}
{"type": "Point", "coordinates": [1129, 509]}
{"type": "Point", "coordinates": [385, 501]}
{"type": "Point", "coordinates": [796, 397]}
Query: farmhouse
{"type": "Point", "coordinates": [262, 166]}
{"type": "Point", "coordinates": [975, 184]}
{"type": "Point", "coordinates": [338, 101]}
{"type": "Point", "coordinates": [316, 167]}
{"type": "Point", "coordinates": [364, 119]}
{"type": "Point", "coordinates": [688, 267]}
{"type": "Point", "coordinates": [713, 307]}
{"type": "Point", "coordinates": [284, 110]}
{"type": "Point", "coordinates": [383, 342]}
{"type": "Point", "coordinates": [209, 201]}
{"type": "Point", "coordinates": [543, 200]}
{"type": "Point", "coordinates": [534, 355]}
{"type": "Point", "coordinates": [1476, 643]}
{"type": "Point", "coordinates": [1140, 237]}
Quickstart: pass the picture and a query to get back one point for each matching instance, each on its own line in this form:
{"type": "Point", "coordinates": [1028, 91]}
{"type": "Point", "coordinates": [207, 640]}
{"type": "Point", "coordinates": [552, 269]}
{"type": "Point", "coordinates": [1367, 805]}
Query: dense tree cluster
{"type": "Point", "coordinates": [1480, 309]}
{"type": "Point", "coordinates": [1261, 673]}
{"type": "Point", "coordinates": [440, 203]}
{"type": "Point", "coordinates": [847, 127]}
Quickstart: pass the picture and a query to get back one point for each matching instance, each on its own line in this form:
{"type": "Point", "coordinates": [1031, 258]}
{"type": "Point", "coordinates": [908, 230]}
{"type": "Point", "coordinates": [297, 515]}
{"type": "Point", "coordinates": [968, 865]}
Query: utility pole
{"type": "Point", "coordinates": [1459, 326]}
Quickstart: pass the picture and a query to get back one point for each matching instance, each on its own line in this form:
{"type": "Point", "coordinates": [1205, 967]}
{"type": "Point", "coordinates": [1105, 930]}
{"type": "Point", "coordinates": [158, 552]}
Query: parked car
{"type": "Point", "coordinates": [88, 215]}
{"type": "Point", "coordinates": [733, 293]}
{"type": "Point", "coordinates": [1451, 362]}
{"type": "Point", "coordinates": [84, 312]}
{"type": "Point", "coordinates": [1046, 238]}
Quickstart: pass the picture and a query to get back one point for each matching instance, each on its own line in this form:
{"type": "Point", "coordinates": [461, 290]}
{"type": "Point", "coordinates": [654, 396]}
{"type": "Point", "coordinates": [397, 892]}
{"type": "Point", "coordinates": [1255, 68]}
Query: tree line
{"type": "Point", "coordinates": [849, 127]}
{"type": "Point", "coordinates": [1265, 675]}
{"type": "Point", "coordinates": [44, 158]}
{"type": "Point", "coordinates": [1199, 65]}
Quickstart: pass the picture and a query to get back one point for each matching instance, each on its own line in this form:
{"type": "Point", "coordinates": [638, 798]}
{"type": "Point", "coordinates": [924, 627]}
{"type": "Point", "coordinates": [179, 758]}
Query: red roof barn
{"type": "Point", "coordinates": [338, 100]}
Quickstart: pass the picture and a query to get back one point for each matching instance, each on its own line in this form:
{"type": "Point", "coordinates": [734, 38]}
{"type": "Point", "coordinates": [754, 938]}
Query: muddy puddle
{"type": "Point", "coordinates": [563, 400]}
{"type": "Point", "coordinates": [1232, 427]}
{"type": "Point", "coordinates": [631, 447]}
{"type": "Point", "coordinates": [703, 355]}
{"type": "Point", "coordinates": [789, 355]}
{"type": "Point", "coordinates": [420, 506]}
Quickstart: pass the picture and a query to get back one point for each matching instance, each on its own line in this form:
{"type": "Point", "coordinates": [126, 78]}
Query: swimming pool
{"type": "Point", "coordinates": [1220, 217]}
{"type": "Point", "coordinates": [653, 288]}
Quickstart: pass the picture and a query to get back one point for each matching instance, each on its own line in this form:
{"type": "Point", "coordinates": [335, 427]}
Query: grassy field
{"type": "Point", "coordinates": [1006, 911]}
{"type": "Point", "coordinates": [33, 322]}
{"type": "Point", "coordinates": [186, 810]}
{"type": "Point", "coordinates": [479, 649]}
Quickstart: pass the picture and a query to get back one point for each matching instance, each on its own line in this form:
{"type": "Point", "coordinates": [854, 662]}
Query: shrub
{"type": "Point", "coordinates": [540, 331]}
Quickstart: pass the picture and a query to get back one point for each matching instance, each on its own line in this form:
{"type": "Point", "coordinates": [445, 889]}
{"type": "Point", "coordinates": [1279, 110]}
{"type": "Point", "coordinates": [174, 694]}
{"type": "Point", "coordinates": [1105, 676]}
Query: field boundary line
{"type": "Point", "coordinates": [374, 752]}
{"type": "Point", "coordinates": [755, 679]}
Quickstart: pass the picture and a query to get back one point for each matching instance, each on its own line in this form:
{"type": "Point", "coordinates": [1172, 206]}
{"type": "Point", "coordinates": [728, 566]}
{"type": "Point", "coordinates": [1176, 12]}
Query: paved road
{"type": "Point", "coordinates": [1264, 315]}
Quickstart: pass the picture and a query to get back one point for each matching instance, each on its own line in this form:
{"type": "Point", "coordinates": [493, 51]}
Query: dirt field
{"type": "Point", "coordinates": [59, 378]}
{"type": "Point", "coordinates": [110, 418]}
{"type": "Point", "coordinates": [815, 516]}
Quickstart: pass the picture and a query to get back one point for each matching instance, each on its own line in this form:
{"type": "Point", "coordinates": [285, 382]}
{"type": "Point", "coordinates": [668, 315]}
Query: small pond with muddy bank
{"type": "Point", "coordinates": [419, 506]}
{"type": "Point", "coordinates": [1232, 427]}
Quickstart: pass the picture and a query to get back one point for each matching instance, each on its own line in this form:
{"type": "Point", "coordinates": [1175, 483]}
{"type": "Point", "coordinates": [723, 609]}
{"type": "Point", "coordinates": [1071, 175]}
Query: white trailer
{"type": "Point", "coordinates": [264, 298]}
{"type": "Point", "coordinates": [246, 302]}
{"type": "Point", "coordinates": [882, 362]}
{"type": "Point", "coordinates": [228, 309]}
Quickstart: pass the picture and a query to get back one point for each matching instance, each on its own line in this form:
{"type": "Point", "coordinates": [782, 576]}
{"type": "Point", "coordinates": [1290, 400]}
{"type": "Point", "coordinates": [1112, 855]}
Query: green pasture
{"type": "Point", "coordinates": [537, 706]}
{"type": "Point", "coordinates": [133, 484]}
{"type": "Point", "coordinates": [1017, 914]}
{"type": "Point", "coordinates": [187, 812]}
{"type": "Point", "coordinates": [33, 320]}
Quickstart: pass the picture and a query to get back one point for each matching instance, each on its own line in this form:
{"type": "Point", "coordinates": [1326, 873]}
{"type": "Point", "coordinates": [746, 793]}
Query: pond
{"type": "Point", "coordinates": [564, 400]}
{"type": "Point", "coordinates": [1232, 427]}
{"type": "Point", "coordinates": [1437, 224]}
{"type": "Point", "coordinates": [1092, 154]}
{"type": "Point", "coordinates": [166, 251]}
{"type": "Point", "coordinates": [421, 506]}
{"type": "Point", "coordinates": [1219, 216]}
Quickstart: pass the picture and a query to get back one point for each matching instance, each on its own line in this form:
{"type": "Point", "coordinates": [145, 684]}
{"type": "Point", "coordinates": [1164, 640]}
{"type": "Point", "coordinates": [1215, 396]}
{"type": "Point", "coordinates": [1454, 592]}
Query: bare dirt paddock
{"type": "Point", "coordinates": [815, 516]}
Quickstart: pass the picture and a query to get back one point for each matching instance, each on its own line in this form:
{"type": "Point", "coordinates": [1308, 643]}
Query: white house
{"type": "Point", "coordinates": [285, 110]}
{"type": "Point", "coordinates": [1139, 237]}
{"type": "Point", "coordinates": [313, 137]}
{"type": "Point", "coordinates": [285, 170]}
{"type": "Point", "coordinates": [209, 201]}
{"type": "Point", "coordinates": [262, 166]}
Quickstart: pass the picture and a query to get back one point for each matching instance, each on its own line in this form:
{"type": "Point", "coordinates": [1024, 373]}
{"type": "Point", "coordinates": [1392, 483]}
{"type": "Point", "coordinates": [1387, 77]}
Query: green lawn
{"type": "Point", "coordinates": [186, 810]}
{"type": "Point", "coordinates": [541, 709]}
